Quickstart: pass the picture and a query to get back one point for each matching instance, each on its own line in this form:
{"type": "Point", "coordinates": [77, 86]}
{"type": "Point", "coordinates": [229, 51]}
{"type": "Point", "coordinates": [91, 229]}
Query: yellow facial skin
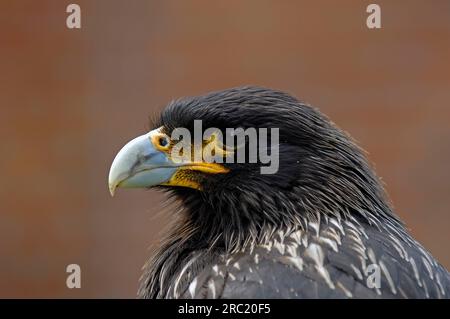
{"type": "Point", "coordinates": [186, 175]}
{"type": "Point", "coordinates": [147, 161]}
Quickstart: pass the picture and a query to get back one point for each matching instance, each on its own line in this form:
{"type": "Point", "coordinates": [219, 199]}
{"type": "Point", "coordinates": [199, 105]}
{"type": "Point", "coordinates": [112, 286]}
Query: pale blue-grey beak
{"type": "Point", "coordinates": [140, 164]}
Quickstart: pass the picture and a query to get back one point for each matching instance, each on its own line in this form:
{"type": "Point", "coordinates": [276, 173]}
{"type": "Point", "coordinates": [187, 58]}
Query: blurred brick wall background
{"type": "Point", "coordinates": [69, 99]}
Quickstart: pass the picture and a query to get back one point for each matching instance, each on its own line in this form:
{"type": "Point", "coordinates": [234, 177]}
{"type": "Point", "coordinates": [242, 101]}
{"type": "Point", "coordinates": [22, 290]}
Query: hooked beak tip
{"type": "Point", "coordinates": [112, 190]}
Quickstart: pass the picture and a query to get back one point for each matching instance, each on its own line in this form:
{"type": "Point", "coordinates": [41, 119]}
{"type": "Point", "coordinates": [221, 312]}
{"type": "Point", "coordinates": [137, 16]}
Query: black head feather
{"type": "Point", "coordinates": [322, 172]}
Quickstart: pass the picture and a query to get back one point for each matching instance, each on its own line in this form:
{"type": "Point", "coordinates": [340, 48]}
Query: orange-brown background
{"type": "Point", "coordinates": [69, 99]}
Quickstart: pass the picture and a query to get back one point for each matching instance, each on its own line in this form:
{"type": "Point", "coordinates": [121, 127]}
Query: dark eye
{"type": "Point", "coordinates": [163, 141]}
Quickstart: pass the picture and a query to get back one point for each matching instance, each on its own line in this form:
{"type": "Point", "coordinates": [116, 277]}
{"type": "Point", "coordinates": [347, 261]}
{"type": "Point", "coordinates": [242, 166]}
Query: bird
{"type": "Point", "coordinates": [321, 226]}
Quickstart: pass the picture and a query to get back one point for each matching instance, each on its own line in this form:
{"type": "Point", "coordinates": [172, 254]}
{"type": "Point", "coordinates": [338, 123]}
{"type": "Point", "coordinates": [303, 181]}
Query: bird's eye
{"type": "Point", "coordinates": [163, 141]}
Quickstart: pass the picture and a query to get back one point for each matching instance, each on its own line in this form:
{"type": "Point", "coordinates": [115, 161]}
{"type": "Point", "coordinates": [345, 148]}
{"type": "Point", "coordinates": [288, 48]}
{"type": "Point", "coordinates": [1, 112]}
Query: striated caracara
{"type": "Point", "coordinates": [319, 227]}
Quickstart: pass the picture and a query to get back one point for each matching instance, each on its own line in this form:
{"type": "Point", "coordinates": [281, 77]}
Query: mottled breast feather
{"type": "Point", "coordinates": [328, 260]}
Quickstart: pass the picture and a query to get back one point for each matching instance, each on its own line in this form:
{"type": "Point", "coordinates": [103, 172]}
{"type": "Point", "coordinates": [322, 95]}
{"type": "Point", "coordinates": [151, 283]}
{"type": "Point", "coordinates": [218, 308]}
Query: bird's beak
{"type": "Point", "coordinates": [142, 163]}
